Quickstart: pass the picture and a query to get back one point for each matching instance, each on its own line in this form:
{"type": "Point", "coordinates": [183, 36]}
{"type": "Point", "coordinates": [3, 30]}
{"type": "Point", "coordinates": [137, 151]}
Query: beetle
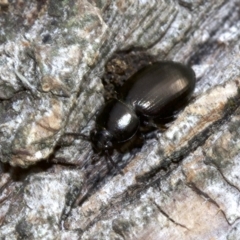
{"type": "Point", "coordinates": [155, 92]}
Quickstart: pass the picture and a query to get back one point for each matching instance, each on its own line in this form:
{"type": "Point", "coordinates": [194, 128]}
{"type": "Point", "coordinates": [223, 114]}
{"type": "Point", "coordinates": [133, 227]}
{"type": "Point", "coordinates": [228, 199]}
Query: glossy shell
{"type": "Point", "coordinates": [118, 119]}
{"type": "Point", "coordinates": [154, 92]}
{"type": "Point", "coordinates": [159, 90]}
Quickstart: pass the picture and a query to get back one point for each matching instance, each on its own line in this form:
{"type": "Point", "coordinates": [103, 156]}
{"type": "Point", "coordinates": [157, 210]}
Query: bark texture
{"type": "Point", "coordinates": [183, 184]}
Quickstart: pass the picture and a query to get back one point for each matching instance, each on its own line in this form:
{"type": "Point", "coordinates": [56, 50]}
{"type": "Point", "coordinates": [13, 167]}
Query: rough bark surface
{"type": "Point", "coordinates": [182, 184]}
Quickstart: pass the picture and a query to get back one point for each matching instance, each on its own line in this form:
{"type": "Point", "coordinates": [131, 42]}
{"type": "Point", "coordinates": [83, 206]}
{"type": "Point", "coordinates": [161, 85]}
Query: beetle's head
{"type": "Point", "coordinates": [101, 140]}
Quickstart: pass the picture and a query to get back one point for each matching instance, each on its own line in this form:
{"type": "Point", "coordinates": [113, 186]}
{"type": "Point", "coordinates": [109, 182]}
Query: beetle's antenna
{"type": "Point", "coordinates": [80, 135]}
{"type": "Point", "coordinates": [112, 162]}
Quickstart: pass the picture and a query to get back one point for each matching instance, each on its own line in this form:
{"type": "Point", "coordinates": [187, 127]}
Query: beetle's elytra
{"type": "Point", "coordinates": [154, 92]}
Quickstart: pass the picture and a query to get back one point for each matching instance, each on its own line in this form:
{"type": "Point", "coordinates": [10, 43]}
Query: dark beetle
{"type": "Point", "coordinates": [156, 91]}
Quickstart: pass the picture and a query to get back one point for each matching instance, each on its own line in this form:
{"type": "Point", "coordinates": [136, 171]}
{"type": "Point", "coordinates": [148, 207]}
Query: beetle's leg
{"type": "Point", "coordinates": [149, 129]}
{"type": "Point", "coordinates": [109, 158]}
{"type": "Point", "coordinates": [148, 126]}
{"type": "Point", "coordinates": [79, 134]}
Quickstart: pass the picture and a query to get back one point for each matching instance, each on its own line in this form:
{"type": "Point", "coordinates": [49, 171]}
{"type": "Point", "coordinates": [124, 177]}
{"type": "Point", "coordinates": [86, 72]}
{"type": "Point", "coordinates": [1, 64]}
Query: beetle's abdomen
{"type": "Point", "coordinates": [118, 119]}
{"type": "Point", "coordinates": [159, 89]}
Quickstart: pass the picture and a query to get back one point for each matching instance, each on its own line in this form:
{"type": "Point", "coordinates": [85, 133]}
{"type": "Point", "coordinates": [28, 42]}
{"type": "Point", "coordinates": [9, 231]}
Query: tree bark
{"type": "Point", "coordinates": [181, 184]}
